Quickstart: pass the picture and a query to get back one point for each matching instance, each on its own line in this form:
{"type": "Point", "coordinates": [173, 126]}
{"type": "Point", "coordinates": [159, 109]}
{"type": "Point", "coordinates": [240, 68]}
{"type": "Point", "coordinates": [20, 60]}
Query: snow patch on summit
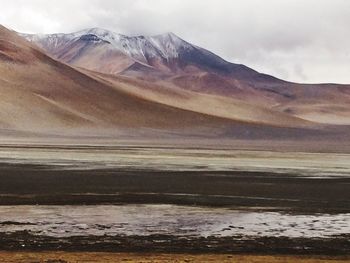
{"type": "Point", "coordinates": [169, 45]}
{"type": "Point", "coordinates": [141, 48]}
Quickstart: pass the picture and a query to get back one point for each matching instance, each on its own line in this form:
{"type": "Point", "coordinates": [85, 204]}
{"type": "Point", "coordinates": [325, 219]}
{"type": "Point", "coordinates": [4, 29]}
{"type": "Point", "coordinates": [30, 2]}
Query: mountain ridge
{"type": "Point", "coordinates": [46, 96]}
{"type": "Point", "coordinates": [169, 60]}
{"type": "Point", "coordinates": [148, 50]}
{"type": "Point", "coordinates": [195, 98]}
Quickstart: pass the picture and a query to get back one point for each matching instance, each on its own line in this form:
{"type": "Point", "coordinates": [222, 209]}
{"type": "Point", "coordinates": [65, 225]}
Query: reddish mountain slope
{"type": "Point", "coordinates": [169, 60]}
{"type": "Point", "coordinates": [41, 94]}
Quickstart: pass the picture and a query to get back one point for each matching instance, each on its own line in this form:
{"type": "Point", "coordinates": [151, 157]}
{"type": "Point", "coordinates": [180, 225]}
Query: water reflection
{"type": "Point", "coordinates": [64, 221]}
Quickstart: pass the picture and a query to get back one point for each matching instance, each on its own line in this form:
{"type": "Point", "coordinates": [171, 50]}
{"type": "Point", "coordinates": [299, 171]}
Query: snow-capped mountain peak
{"type": "Point", "coordinates": [164, 52]}
{"type": "Point", "coordinates": [170, 45]}
{"type": "Point", "coordinates": [141, 48]}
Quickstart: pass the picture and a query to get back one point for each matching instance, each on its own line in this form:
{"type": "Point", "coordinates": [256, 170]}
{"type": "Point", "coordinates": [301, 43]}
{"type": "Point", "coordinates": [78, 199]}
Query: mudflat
{"type": "Point", "coordinates": [186, 201]}
{"type": "Point", "coordinates": [29, 184]}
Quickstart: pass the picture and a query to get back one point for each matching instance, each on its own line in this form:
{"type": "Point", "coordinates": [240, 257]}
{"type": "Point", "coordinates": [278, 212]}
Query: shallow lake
{"type": "Point", "coordinates": [65, 221]}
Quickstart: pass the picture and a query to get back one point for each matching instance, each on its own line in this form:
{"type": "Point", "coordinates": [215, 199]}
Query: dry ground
{"type": "Point", "coordinates": [63, 257]}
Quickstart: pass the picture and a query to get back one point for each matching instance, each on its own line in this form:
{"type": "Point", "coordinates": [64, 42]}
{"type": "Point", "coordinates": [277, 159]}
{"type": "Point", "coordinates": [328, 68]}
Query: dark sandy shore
{"type": "Point", "coordinates": [25, 241]}
{"type": "Point", "coordinates": [39, 184]}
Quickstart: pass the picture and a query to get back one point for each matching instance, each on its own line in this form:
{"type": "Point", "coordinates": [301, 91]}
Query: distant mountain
{"type": "Point", "coordinates": [168, 60]}
{"type": "Point", "coordinates": [41, 95]}
{"type": "Point", "coordinates": [166, 52]}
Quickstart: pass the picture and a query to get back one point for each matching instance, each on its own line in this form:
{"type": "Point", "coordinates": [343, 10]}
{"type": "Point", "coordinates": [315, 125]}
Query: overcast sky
{"type": "Point", "coordinates": [298, 40]}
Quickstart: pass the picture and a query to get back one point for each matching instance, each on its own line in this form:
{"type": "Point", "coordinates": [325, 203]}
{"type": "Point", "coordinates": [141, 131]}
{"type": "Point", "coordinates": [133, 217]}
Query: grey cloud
{"type": "Point", "coordinates": [272, 36]}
